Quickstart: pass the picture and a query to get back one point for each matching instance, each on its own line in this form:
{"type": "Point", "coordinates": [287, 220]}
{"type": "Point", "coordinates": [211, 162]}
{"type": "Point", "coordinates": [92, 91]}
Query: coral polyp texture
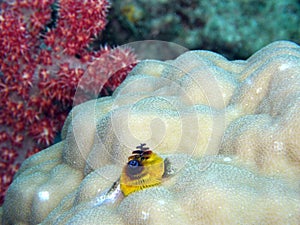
{"type": "Point", "coordinates": [229, 131]}
{"type": "Point", "coordinates": [44, 54]}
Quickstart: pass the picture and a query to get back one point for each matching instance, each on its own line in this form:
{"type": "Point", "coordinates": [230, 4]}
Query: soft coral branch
{"type": "Point", "coordinates": [44, 60]}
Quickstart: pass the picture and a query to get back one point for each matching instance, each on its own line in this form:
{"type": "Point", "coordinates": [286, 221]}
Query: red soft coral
{"type": "Point", "coordinates": [44, 60]}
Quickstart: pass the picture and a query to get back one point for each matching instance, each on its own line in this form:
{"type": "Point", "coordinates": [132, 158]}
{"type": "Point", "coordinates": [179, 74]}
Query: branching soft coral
{"type": "Point", "coordinates": [44, 53]}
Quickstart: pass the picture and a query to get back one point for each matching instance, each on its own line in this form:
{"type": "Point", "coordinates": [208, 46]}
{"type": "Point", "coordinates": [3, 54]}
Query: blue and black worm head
{"type": "Point", "coordinates": [134, 166]}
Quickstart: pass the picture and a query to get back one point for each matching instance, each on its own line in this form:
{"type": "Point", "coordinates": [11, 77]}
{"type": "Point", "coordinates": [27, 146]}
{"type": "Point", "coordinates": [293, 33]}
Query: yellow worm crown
{"type": "Point", "coordinates": [143, 169]}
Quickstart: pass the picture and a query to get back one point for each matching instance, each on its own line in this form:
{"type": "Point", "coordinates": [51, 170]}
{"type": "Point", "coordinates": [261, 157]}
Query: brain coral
{"type": "Point", "coordinates": [229, 129]}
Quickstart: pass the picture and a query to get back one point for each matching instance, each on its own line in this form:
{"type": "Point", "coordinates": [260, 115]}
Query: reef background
{"type": "Point", "coordinates": [235, 29]}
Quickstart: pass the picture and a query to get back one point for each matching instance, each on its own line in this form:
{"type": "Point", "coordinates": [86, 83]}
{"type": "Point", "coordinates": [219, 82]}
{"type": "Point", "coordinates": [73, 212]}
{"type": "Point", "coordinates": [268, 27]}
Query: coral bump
{"type": "Point", "coordinates": [44, 53]}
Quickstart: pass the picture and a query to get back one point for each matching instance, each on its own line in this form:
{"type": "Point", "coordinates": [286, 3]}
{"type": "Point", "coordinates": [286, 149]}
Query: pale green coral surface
{"type": "Point", "coordinates": [230, 130]}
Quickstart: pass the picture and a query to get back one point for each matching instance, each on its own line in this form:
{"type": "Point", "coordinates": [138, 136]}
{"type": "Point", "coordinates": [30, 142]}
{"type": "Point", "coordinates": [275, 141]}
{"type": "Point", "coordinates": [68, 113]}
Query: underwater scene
{"type": "Point", "coordinates": [149, 112]}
